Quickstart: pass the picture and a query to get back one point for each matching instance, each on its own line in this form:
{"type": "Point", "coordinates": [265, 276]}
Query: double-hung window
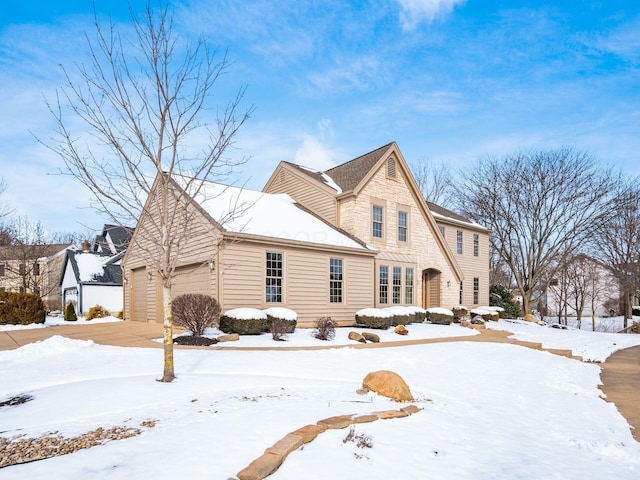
{"type": "Point", "coordinates": [408, 286]}
{"type": "Point", "coordinates": [403, 226]}
{"type": "Point", "coordinates": [476, 290]}
{"type": "Point", "coordinates": [335, 280]}
{"type": "Point", "coordinates": [383, 284]}
{"type": "Point", "coordinates": [397, 284]}
{"type": "Point", "coordinates": [476, 244]}
{"type": "Point", "coordinates": [378, 224]}
{"type": "Point", "coordinates": [459, 242]}
{"type": "Point", "coordinates": [273, 280]}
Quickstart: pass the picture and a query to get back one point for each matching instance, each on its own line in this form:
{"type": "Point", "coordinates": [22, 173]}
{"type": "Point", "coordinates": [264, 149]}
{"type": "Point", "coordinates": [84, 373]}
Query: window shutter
{"type": "Point", "coordinates": [391, 168]}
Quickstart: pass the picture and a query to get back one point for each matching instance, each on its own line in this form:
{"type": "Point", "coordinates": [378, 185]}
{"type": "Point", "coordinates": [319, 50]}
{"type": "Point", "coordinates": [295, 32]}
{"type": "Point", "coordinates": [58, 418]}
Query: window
{"type": "Point", "coordinates": [476, 244]}
{"type": "Point", "coordinates": [21, 270]}
{"type": "Point", "coordinates": [2, 270]}
{"type": "Point", "coordinates": [408, 286]}
{"type": "Point", "coordinates": [335, 280]}
{"type": "Point", "coordinates": [402, 226]}
{"type": "Point", "coordinates": [476, 290]}
{"type": "Point", "coordinates": [459, 242]}
{"type": "Point", "coordinates": [441, 230]}
{"type": "Point", "coordinates": [274, 277]}
{"type": "Point", "coordinates": [36, 269]}
{"type": "Point", "coordinates": [460, 297]}
{"type": "Point", "coordinates": [397, 284]}
{"type": "Point", "coordinates": [378, 213]}
{"type": "Point", "coordinates": [384, 284]}
{"type": "Point", "coordinates": [37, 291]}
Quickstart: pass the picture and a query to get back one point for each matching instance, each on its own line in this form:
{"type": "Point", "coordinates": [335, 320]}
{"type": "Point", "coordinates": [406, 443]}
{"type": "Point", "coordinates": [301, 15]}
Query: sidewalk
{"type": "Point", "coordinates": [620, 373]}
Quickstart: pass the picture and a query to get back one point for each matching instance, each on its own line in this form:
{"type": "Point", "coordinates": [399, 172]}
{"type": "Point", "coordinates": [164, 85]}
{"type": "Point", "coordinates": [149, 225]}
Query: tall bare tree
{"type": "Point", "coordinates": [435, 181]}
{"type": "Point", "coordinates": [540, 205]}
{"type": "Point", "coordinates": [145, 102]}
{"type": "Point", "coordinates": [5, 208]}
{"type": "Point", "coordinates": [618, 241]}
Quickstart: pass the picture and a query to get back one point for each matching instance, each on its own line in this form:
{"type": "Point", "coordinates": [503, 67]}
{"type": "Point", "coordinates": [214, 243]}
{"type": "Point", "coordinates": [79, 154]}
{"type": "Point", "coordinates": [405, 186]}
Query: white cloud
{"type": "Point", "coordinates": [416, 11]}
{"type": "Point", "coordinates": [316, 151]}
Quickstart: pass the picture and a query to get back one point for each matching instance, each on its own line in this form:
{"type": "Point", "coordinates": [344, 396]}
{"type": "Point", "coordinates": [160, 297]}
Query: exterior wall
{"type": "Point", "coordinates": [472, 266]}
{"type": "Point", "coordinates": [305, 281]}
{"type": "Point", "coordinates": [421, 248]}
{"type": "Point", "coordinates": [305, 191]}
{"type": "Point", "coordinates": [107, 296]}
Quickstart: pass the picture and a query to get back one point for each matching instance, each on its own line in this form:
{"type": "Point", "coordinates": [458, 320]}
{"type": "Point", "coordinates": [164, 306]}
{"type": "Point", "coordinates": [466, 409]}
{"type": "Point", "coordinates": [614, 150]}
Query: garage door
{"type": "Point", "coordinates": [194, 278]}
{"type": "Point", "coordinates": [139, 295]}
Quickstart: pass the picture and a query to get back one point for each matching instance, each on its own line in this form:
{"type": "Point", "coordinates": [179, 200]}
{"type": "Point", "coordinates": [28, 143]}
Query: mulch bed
{"type": "Point", "coordinates": [195, 341]}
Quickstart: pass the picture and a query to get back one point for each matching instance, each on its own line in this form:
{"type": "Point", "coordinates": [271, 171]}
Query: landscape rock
{"type": "Point", "coordinates": [357, 337]}
{"type": "Point", "coordinates": [231, 337]}
{"type": "Point", "coordinates": [261, 467]}
{"type": "Point", "coordinates": [388, 384]}
{"type": "Point", "coordinates": [530, 318]}
{"type": "Point", "coordinates": [371, 337]}
{"type": "Point", "coordinates": [400, 330]}
{"type": "Point", "coordinates": [310, 432]}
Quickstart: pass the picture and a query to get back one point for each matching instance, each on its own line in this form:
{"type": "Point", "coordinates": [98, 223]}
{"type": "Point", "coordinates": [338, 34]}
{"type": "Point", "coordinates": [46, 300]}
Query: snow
{"type": "Point", "coordinates": [493, 411]}
{"type": "Point", "coordinates": [440, 311]}
{"type": "Point", "coordinates": [281, 312]}
{"type": "Point", "coordinates": [90, 265]}
{"type": "Point", "coordinates": [270, 215]}
{"type": "Point", "coordinates": [374, 312]}
{"type": "Point", "coordinates": [246, 314]}
{"type": "Point", "coordinates": [53, 321]}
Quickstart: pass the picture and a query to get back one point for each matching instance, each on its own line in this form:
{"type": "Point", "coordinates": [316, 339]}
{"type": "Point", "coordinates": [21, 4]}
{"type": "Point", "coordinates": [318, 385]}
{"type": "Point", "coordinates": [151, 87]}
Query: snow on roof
{"type": "Point", "coordinates": [90, 265]}
{"type": "Point", "coordinates": [265, 214]}
{"type": "Point", "coordinates": [327, 179]}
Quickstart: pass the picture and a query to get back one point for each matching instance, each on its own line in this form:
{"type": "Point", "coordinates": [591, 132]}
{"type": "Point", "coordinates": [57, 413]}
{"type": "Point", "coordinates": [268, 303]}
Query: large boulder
{"type": "Point", "coordinates": [531, 318]}
{"type": "Point", "coordinates": [357, 337]}
{"type": "Point", "coordinates": [460, 312]}
{"type": "Point", "coordinates": [388, 384]}
{"type": "Point", "coordinates": [371, 337]}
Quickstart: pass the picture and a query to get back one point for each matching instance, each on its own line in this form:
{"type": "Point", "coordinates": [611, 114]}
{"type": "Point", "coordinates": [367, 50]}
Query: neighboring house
{"type": "Point", "coordinates": [34, 269]}
{"type": "Point", "coordinates": [584, 284]}
{"type": "Point", "coordinates": [321, 243]}
{"type": "Point", "coordinates": [90, 278]}
{"type": "Point", "coordinates": [113, 239]}
{"type": "Point", "coordinates": [469, 243]}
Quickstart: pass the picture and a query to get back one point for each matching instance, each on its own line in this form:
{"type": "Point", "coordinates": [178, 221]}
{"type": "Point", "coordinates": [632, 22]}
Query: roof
{"type": "Point", "coordinates": [119, 235]}
{"type": "Point", "coordinates": [278, 216]}
{"type": "Point", "coordinates": [349, 175]}
{"type": "Point", "coordinates": [442, 213]}
{"type": "Point", "coordinates": [95, 268]}
{"type": "Point", "coordinates": [20, 252]}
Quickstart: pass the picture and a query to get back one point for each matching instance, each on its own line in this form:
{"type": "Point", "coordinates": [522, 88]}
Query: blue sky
{"type": "Point", "coordinates": [449, 80]}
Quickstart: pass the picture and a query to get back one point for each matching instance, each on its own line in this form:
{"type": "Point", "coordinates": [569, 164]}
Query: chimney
{"type": "Point", "coordinates": [86, 246]}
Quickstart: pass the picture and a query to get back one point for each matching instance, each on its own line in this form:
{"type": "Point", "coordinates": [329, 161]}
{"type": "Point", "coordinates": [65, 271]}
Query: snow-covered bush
{"type": "Point", "coordinates": [401, 315]}
{"type": "Point", "coordinates": [96, 312]}
{"type": "Point", "coordinates": [21, 308]}
{"type": "Point", "coordinates": [285, 319]}
{"type": "Point", "coordinates": [244, 321]}
{"type": "Point", "coordinates": [419, 313]}
{"type": "Point", "coordinates": [460, 312]}
{"type": "Point", "coordinates": [325, 329]}
{"type": "Point", "coordinates": [195, 312]}
{"type": "Point", "coordinates": [439, 315]}
{"type": "Point", "coordinates": [374, 318]}
{"type": "Point", "coordinates": [485, 313]}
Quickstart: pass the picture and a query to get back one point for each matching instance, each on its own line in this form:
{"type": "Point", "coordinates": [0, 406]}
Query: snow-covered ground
{"type": "Point", "coordinates": [491, 411]}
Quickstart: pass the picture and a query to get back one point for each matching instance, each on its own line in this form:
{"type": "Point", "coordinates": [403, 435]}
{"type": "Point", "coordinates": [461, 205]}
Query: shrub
{"type": "Point", "coordinates": [439, 316]}
{"type": "Point", "coordinates": [96, 312]}
{"type": "Point", "coordinates": [288, 320]}
{"type": "Point", "coordinates": [195, 312]}
{"type": "Point", "coordinates": [325, 329]}
{"type": "Point", "coordinates": [279, 327]}
{"type": "Point", "coordinates": [374, 318]}
{"type": "Point", "coordinates": [361, 440]}
{"type": "Point", "coordinates": [501, 296]}
{"type": "Point", "coordinates": [70, 313]}
{"type": "Point", "coordinates": [21, 308]}
{"type": "Point", "coordinates": [244, 321]}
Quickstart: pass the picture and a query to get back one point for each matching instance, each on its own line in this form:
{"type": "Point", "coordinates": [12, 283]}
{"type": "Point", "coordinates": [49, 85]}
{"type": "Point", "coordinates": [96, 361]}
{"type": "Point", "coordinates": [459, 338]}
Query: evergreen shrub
{"type": "Point", "coordinates": [21, 309]}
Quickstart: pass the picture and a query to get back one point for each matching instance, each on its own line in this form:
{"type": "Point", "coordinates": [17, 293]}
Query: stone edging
{"type": "Point", "coordinates": [275, 455]}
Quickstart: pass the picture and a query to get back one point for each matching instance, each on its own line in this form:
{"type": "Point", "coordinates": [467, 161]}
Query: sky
{"type": "Point", "coordinates": [451, 81]}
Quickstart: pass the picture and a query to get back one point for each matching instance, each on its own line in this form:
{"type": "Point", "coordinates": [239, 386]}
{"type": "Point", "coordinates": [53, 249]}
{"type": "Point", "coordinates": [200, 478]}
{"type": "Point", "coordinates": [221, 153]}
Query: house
{"type": "Point", "coordinates": [114, 239]}
{"type": "Point", "coordinates": [584, 285]}
{"type": "Point", "coordinates": [321, 243]}
{"type": "Point", "coordinates": [34, 269]}
{"type": "Point", "coordinates": [91, 278]}
{"type": "Point", "coordinates": [469, 243]}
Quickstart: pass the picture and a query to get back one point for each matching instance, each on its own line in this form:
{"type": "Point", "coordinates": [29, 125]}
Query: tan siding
{"type": "Point", "coordinates": [138, 297]}
{"type": "Point", "coordinates": [304, 191]}
{"type": "Point", "coordinates": [306, 282]}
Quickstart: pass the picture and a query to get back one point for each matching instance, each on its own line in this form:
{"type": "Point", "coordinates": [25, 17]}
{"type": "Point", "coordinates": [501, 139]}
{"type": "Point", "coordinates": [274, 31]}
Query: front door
{"type": "Point", "coordinates": [430, 288]}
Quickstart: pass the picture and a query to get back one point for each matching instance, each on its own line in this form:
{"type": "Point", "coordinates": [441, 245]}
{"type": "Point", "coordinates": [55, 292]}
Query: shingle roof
{"type": "Point", "coordinates": [109, 273]}
{"type": "Point", "coordinates": [21, 252]}
{"type": "Point", "coordinates": [437, 209]}
{"type": "Point", "coordinates": [120, 236]}
{"type": "Point", "coordinates": [349, 175]}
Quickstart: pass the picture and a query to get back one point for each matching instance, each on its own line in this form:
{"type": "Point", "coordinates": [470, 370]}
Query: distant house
{"type": "Point", "coordinates": [34, 269]}
{"type": "Point", "coordinates": [93, 276]}
{"type": "Point", "coordinates": [321, 243]}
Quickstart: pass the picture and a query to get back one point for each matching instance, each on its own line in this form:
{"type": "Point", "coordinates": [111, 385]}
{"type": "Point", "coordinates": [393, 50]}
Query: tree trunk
{"type": "Point", "coordinates": [168, 375]}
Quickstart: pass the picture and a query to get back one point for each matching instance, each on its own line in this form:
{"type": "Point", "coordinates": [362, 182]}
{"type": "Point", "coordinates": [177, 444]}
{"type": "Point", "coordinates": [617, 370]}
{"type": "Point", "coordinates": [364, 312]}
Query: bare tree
{"type": "Point", "coordinates": [435, 181]}
{"type": "Point", "coordinates": [5, 208]}
{"type": "Point", "coordinates": [618, 241]}
{"type": "Point", "coordinates": [541, 206]}
{"type": "Point", "coordinates": [145, 100]}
